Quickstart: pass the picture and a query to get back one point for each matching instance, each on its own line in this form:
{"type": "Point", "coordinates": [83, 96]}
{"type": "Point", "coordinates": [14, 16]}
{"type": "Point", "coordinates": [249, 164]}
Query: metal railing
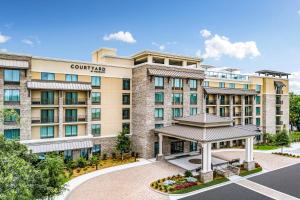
{"type": "Point", "coordinates": [224, 102]}
{"type": "Point", "coordinates": [211, 102]}
{"type": "Point", "coordinates": [248, 113]}
{"type": "Point", "coordinates": [73, 101]}
{"type": "Point", "coordinates": [40, 101]}
{"type": "Point", "coordinates": [79, 118]}
{"type": "Point", "coordinates": [224, 114]}
{"type": "Point", "coordinates": [44, 120]}
{"type": "Point", "coordinates": [279, 112]}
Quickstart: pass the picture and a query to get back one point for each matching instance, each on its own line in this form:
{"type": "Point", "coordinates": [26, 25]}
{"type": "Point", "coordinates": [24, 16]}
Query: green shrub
{"type": "Point", "coordinates": [188, 173]}
{"type": "Point", "coordinates": [81, 162]}
{"type": "Point", "coordinates": [104, 157]}
{"type": "Point", "coordinates": [113, 155]}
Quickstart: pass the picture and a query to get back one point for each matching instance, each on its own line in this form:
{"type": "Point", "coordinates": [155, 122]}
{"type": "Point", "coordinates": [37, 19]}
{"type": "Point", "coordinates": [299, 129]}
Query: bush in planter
{"type": "Point", "coordinates": [81, 162]}
{"type": "Point", "coordinates": [188, 173]}
{"type": "Point", "coordinates": [104, 156]}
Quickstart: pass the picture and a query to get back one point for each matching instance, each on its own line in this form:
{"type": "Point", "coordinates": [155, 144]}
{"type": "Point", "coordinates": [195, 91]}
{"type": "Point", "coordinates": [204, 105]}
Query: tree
{"type": "Point", "coordinates": [123, 142]}
{"type": "Point", "coordinates": [294, 110]}
{"type": "Point", "coordinates": [282, 139]}
{"type": "Point", "coordinates": [94, 160]}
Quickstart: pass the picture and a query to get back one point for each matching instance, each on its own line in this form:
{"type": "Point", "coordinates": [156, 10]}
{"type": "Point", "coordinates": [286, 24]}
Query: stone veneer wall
{"type": "Point", "coordinates": [285, 107]}
{"type": "Point", "coordinates": [108, 144]}
{"type": "Point", "coordinates": [269, 113]}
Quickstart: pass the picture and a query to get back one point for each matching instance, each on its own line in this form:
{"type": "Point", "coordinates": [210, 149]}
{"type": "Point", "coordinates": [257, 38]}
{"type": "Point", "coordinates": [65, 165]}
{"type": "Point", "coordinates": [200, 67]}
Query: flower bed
{"type": "Point", "coordinates": [286, 154]}
{"type": "Point", "coordinates": [180, 184]}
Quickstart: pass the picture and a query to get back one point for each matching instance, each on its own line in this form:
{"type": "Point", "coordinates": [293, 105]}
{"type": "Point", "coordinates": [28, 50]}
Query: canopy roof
{"type": "Point", "coordinates": [176, 73]}
{"type": "Point", "coordinates": [204, 120]}
{"type": "Point", "coordinates": [234, 91]}
{"type": "Point", "coordinates": [56, 85]}
{"type": "Point", "coordinates": [271, 72]}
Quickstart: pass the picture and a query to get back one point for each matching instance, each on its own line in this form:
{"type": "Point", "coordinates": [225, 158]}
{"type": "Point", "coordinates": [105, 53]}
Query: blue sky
{"type": "Point", "coordinates": [251, 35]}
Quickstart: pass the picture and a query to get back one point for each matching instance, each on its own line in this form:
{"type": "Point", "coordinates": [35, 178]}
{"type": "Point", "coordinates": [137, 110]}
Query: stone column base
{"type": "Point", "coordinates": [206, 176]}
{"type": "Point", "coordinates": [249, 165]}
{"type": "Point", "coordinates": [160, 157]}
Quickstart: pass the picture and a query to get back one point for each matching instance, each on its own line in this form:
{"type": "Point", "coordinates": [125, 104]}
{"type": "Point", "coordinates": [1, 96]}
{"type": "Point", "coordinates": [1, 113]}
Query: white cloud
{"type": "Point", "coordinates": [294, 82]}
{"type": "Point", "coordinates": [198, 53]}
{"type": "Point", "coordinates": [159, 46]}
{"type": "Point", "coordinates": [120, 36]}
{"type": "Point", "coordinates": [205, 33]}
{"type": "Point", "coordinates": [31, 41]}
{"type": "Point", "coordinates": [3, 50]}
{"type": "Point", "coordinates": [4, 38]}
{"type": "Point", "coordinates": [217, 46]}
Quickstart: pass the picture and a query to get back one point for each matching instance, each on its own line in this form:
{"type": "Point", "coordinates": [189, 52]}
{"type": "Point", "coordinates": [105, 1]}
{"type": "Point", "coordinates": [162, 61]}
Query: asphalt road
{"type": "Point", "coordinates": [228, 192]}
{"type": "Point", "coordinates": [286, 180]}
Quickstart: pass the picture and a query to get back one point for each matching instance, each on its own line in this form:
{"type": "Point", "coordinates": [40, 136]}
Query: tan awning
{"type": "Point", "coordinates": [234, 91]}
{"type": "Point", "coordinates": [52, 85]}
{"type": "Point", "coordinates": [176, 73]}
{"type": "Point", "coordinates": [57, 145]}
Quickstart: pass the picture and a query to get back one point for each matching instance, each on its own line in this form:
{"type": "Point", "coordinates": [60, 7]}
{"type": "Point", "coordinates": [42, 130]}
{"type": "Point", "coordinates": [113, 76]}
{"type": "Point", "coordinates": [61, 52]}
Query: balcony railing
{"type": "Point", "coordinates": [237, 102]}
{"type": "Point", "coordinates": [11, 102]}
{"type": "Point", "coordinates": [79, 118]}
{"type": "Point", "coordinates": [224, 102]}
{"type": "Point", "coordinates": [177, 88]}
{"type": "Point", "coordinates": [279, 102]}
{"type": "Point", "coordinates": [279, 112]}
{"type": "Point", "coordinates": [44, 120]}
{"type": "Point", "coordinates": [279, 123]}
{"type": "Point", "coordinates": [248, 102]}
{"type": "Point", "coordinates": [224, 115]}
{"type": "Point", "coordinates": [248, 113]}
{"type": "Point", "coordinates": [237, 114]}
{"type": "Point", "coordinates": [81, 101]}
{"type": "Point", "coordinates": [39, 101]}
{"type": "Point", "coordinates": [177, 103]}
{"type": "Point", "coordinates": [211, 102]}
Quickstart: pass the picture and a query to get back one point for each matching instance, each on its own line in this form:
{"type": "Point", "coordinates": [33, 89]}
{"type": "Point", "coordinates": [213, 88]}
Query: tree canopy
{"type": "Point", "coordinates": [295, 110]}
{"type": "Point", "coordinates": [123, 142]}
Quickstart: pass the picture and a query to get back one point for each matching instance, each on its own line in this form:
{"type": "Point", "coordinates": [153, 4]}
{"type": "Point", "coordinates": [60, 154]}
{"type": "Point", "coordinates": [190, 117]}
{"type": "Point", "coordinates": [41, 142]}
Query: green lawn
{"type": "Point", "coordinates": [265, 147]}
{"type": "Point", "coordinates": [246, 173]}
{"type": "Point", "coordinates": [204, 185]}
{"type": "Point", "coordinates": [295, 136]}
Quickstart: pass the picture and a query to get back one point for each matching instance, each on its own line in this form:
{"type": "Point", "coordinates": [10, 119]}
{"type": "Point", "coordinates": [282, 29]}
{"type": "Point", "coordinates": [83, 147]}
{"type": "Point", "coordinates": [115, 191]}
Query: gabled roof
{"type": "Point", "coordinates": [235, 91]}
{"type": "Point", "coordinates": [204, 119]}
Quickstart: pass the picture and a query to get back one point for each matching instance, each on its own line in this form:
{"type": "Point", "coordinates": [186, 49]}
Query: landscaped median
{"type": "Point", "coordinates": [179, 184]}
{"type": "Point", "coordinates": [286, 154]}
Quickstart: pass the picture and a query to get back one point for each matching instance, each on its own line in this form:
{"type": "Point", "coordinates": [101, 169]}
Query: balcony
{"type": "Point", "coordinates": [211, 102]}
{"type": "Point", "coordinates": [224, 114]}
{"type": "Point", "coordinates": [39, 101]}
{"type": "Point", "coordinates": [248, 114]}
{"type": "Point", "coordinates": [248, 102]}
{"type": "Point", "coordinates": [237, 114]}
{"type": "Point", "coordinates": [44, 120]}
{"type": "Point", "coordinates": [79, 118]}
{"type": "Point", "coordinates": [279, 102]}
{"type": "Point", "coordinates": [6, 82]}
{"type": "Point", "coordinates": [278, 112]}
{"type": "Point", "coordinates": [159, 118]}
{"type": "Point", "coordinates": [224, 102]}
{"type": "Point", "coordinates": [159, 87]}
{"type": "Point", "coordinates": [177, 88]}
{"type": "Point", "coordinates": [279, 123]}
{"type": "Point", "coordinates": [237, 102]}
{"type": "Point", "coordinates": [81, 101]}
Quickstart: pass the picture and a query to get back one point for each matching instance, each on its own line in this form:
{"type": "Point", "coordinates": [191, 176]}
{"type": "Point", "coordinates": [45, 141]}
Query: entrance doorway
{"type": "Point", "coordinates": [176, 147]}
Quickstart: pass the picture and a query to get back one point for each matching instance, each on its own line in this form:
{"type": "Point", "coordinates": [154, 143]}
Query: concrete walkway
{"type": "Point", "coordinates": [72, 184]}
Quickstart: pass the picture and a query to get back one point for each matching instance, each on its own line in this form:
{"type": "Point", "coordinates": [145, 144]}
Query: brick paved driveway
{"type": "Point", "coordinates": [128, 184]}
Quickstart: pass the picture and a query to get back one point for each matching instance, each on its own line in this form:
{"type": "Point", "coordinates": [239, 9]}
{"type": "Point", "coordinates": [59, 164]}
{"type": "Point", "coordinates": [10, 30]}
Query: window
{"type": "Point", "coordinates": [206, 84]}
{"type": "Point", "coordinates": [193, 99]}
{"type": "Point", "coordinates": [71, 115]}
{"type": "Point", "coordinates": [47, 116]}
{"type": "Point", "coordinates": [71, 77]}
{"type": "Point", "coordinates": [46, 76]}
{"type": "Point", "coordinates": [193, 146]}
{"type": "Point", "coordinates": [11, 96]}
{"type": "Point", "coordinates": [257, 110]}
{"type": "Point", "coordinates": [177, 83]}
{"type": "Point", "coordinates": [193, 111]}
{"type": "Point", "coordinates": [245, 86]}
{"type": "Point", "coordinates": [12, 134]}
{"type": "Point", "coordinates": [47, 132]}
{"type": "Point", "coordinates": [96, 81]}
{"type": "Point", "coordinates": [11, 118]}
{"type": "Point", "coordinates": [177, 112]}
{"type": "Point", "coordinates": [257, 98]}
{"type": "Point", "coordinates": [177, 98]}
{"type": "Point", "coordinates": [231, 85]}
{"type": "Point", "coordinates": [159, 113]}
{"type": "Point", "coordinates": [71, 98]}
{"type": "Point", "coordinates": [96, 150]}
{"type": "Point", "coordinates": [71, 130]}
{"type": "Point", "coordinates": [159, 82]}
{"type": "Point", "coordinates": [68, 155]}
{"type": "Point", "coordinates": [96, 97]}
{"type": "Point", "coordinates": [11, 76]}
{"type": "Point", "coordinates": [96, 130]}
{"type": "Point", "coordinates": [126, 126]}
{"type": "Point", "coordinates": [96, 114]}
{"type": "Point", "coordinates": [257, 121]}
{"type": "Point", "coordinates": [258, 88]}
{"type": "Point", "coordinates": [126, 113]}
{"type": "Point", "coordinates": [84, 153]}
{"type": "Point", "coordinates": [193, 84]}
{"type": "Point", "coordinates": [126, 84]}
{"type": "Point", "coordinates": [221, 84]}
{"type": "Point", "coordinates": [47, 97]}
{"type": "Point", "coordinates": [159, 125]}
{"type": "Point", "coordinates": [159, 98]}
{"type": "Point", "coordinates": [126, 99]}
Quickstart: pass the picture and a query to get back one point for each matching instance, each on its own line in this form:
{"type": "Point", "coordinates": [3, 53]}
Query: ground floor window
{"type": "Point", "coordinates": [96, 149]}
{"type": "Point", "coordinates": [84, 153]}
{"type": "Point", "coordinates": [258, 137]}
{"type": "Point", "coordinates": [177, 147]}
{"type": "Point", "coordinates": [68, 155]}
{"type": "Point", "coordinates": [12, 134]}
{"type": "Point", "coordinates": [193, 146]}
{"type": "Point", "coordinates": [126, 126]}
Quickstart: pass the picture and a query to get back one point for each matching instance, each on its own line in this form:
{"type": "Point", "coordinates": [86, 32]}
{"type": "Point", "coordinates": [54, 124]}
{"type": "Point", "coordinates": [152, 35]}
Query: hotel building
{"type": "Point", "coordinates": [78, 108]}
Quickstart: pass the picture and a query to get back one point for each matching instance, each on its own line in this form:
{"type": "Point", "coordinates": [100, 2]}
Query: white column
{"type": "Point", "coordinates": [206, 157]}
{"type": "Point", "coordinates": [249, 149]}
{"type": "Point", "coordinates": [160, 139]}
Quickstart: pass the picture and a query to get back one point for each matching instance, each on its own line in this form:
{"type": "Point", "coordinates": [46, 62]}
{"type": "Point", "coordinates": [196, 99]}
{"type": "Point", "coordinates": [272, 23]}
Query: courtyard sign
{"type": "Point", "coordinates": [95, 69]}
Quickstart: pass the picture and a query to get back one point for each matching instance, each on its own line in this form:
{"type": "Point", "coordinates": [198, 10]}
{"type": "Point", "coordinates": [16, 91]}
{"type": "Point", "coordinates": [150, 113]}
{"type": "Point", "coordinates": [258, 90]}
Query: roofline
{"type": "Point", "coordinates": [265, 71]}
{"type": "Point", "coordinates": [158, 53]}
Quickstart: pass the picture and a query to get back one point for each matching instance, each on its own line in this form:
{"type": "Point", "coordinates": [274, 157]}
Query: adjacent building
{"type": "Point", "coordinates": [78, 108]}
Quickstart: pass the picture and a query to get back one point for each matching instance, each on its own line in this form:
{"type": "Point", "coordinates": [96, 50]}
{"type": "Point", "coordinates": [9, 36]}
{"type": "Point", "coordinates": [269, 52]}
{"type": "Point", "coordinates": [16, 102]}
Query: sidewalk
{"type": "Point", "coordinates": [72, 184]}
